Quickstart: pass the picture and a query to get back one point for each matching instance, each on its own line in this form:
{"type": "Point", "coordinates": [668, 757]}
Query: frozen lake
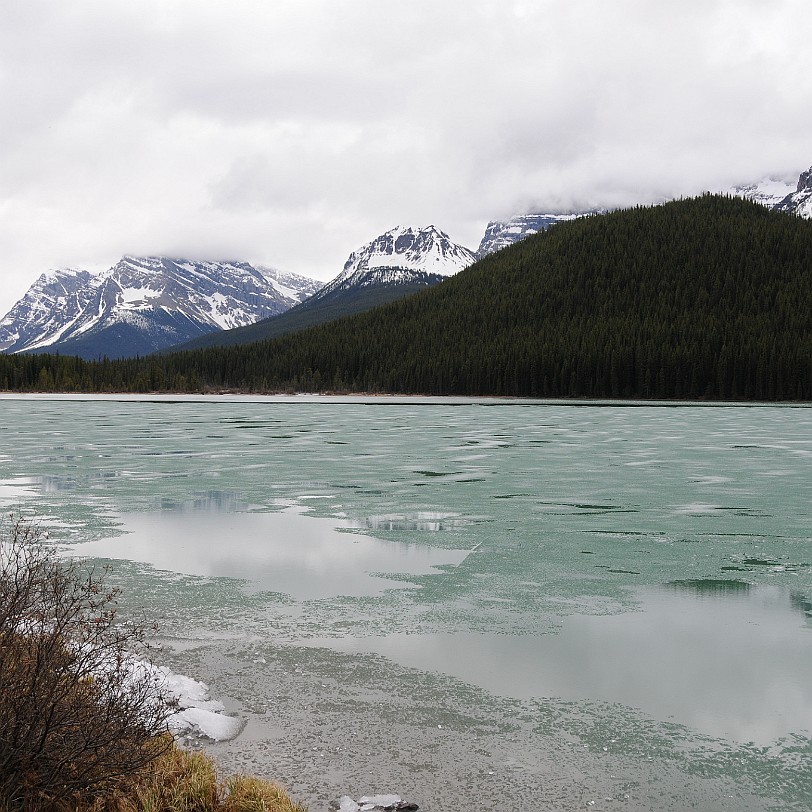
{"type": "Point", "coordinates": [474, 604]}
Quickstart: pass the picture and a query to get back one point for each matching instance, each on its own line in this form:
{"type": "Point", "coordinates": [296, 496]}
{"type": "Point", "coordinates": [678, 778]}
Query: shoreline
{"type": "Point", "coordinates": [388, 399]}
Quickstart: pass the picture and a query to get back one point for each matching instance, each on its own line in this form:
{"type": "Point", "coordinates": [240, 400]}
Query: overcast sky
{"type": "Point", "coordinates": [289, 132]}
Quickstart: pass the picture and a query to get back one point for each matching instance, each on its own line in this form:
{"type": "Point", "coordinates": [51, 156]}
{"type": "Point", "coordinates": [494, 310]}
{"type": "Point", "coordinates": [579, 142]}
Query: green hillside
{"type": "Point", "coordinates": [705, 298]}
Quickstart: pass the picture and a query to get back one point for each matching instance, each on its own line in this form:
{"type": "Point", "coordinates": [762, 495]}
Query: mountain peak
{"type": "Point", "coordinates": [405, 254]}
{"type": "Point", "coordinates": [424, 248]}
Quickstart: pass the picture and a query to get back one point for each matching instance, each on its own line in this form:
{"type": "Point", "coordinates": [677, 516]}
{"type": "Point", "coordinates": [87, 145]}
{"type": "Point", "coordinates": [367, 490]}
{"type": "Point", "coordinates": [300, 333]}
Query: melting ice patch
{"type": "Point", "coordinates": [17, 487]}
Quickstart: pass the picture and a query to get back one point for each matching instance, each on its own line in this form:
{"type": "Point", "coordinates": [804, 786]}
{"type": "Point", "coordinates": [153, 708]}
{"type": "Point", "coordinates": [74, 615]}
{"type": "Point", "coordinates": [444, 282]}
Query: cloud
{"type": "Point", "coordinates": [291, 132]}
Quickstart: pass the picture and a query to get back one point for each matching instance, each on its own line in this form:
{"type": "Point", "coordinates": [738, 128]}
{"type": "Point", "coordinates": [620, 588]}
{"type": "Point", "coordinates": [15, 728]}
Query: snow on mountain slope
{"type": "Point", "coordinates": [500, 234]}
{"type": "Point", "coordinates": [49, 307]}
{"type": "Point", "coordinates": [290, 285]}
{"type": "Point", "coordinates": [151, 302]}
{"type": "Point", "coordinates": [789, 194]}
{"type": "Point", "coordinates": [799, 201]}
{"type": "Point", "coordinates": [402, 255]}
{"type": "Point", "coordinates": [768, 191]}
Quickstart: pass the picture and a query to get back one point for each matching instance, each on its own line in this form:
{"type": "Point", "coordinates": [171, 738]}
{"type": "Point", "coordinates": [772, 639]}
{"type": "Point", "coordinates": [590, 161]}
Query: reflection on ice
{"type": "Point", "coordinates": [211, 501]}
{"type": "Point", "coordinates": [422, 520]}
{"type": "Point", "coordinates": [727, 662]}
{"type": "Point", "coordinates": [713, 587]}
{"type": "Point", "coordinates": [288, 552]}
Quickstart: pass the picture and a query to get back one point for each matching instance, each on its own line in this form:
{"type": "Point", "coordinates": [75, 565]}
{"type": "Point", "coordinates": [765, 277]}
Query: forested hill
{"type": "Point", "coordinates": [703, 298]}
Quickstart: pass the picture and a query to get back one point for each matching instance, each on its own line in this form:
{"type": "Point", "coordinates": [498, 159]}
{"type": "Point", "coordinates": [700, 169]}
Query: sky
{"type": "Point", "coordinates": [290, 132]}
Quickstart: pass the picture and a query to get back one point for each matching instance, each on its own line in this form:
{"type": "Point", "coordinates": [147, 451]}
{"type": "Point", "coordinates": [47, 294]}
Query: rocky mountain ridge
{"type": "Point", "coordinates": [144, 304]}
{"type": "Point", "coordinates": [500, 234]}
{"type": "Point", "coordinates": [799, 202]}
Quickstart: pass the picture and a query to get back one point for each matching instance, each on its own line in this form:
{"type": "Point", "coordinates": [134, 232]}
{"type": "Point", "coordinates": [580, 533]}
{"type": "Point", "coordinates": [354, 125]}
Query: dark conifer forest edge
{"type": "Point", "coordinates": [708, 298]}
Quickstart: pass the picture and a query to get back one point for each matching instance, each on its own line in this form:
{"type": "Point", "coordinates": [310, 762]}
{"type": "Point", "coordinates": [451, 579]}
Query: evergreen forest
{"type": "Point", "coordinates": [708, 298]}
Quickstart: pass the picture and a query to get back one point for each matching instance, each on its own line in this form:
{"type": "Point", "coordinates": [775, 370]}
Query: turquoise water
{"type": "Point", "coordinates": [466, 602]}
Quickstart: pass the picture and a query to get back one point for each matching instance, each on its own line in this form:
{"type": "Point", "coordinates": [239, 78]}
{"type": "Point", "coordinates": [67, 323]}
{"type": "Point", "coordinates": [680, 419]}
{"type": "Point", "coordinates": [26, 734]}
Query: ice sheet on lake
{"type": "Point", "coordinates": [572, 525]}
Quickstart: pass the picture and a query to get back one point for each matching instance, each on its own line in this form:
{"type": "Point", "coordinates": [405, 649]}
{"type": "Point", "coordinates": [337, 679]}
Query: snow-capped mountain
{"type": "Point", "coordinates": [799, 201]}
{"type": "Point", "coordinates": [144, 304]}
{"type": "Point", "coordinates": [500, 234]}
{"type": "Point", "coordinates": [403, 256]}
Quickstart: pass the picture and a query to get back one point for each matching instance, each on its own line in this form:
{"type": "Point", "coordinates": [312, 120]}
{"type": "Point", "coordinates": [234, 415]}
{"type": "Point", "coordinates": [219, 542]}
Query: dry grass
{"type": "Point", "coordinates": [184, 781]}
{"type": "Point", "coordinates": [248, 794]}
{"type": "Point", "coordinates": [178, 781]}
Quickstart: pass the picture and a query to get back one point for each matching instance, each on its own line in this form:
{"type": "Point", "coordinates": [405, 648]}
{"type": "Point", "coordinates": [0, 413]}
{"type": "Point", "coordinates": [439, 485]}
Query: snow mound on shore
{"type": "Point", "coordinates": [198, 714]}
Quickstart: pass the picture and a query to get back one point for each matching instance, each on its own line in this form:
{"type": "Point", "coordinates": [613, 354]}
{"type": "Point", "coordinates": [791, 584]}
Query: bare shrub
{"type": "Point", "coordinates": [78, 717]}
